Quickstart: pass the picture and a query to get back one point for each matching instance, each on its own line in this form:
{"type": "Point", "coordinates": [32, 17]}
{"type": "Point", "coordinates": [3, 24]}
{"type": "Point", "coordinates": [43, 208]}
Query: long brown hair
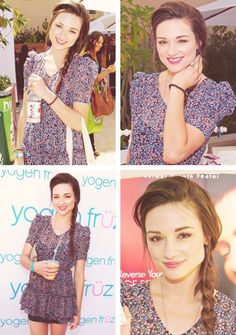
{"type": "Point", "coordinates": [90, 44]}
{"type": "Point", "coordinates": [80, 11]}
{"type": "Point", "coordinates": [180, 10]}
{"type": "Point", "coordinates": [66, 178]}
{"type": "Point", "coordinates": [182, 190]}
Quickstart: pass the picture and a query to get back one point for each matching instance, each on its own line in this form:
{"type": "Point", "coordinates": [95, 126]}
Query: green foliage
{"type": "Point", "coordinates": [16, 23]}
{"type": "Point", "coordinates": [32, 35]}
{"type": "Point", "coordinates": [4, 82]}
{"type": "Point", "coordinates": [220, 63]}
{"type": "Point", "coordinates": [136, 49]}
{"type": "Point", "coordinates": [135, 36]}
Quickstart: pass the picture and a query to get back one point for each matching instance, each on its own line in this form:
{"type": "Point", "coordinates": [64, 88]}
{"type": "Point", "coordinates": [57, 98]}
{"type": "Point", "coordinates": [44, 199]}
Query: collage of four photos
{"type": "Point", "coordinates": [118, 167]}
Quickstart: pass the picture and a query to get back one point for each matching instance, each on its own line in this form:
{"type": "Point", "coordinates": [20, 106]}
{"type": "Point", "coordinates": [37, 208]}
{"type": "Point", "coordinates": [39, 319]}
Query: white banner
{"type": "Point", "coordinates": [24, 192]}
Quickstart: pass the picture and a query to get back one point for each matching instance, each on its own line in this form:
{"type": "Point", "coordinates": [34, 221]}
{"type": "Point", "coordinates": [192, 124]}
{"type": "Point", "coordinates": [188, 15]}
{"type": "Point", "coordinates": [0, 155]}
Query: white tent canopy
{"type": "Point", "coordinates": [220, 12]}
{"type": "Point", "coordinates": [101, 5]}
{"type": "Point", "coordinates": [105, 24]}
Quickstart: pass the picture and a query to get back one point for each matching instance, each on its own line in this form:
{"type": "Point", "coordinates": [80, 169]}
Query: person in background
{"type": "Point", "coordinates": [20, 76]}
{"type": "Point", "coordinates": [95, 49]}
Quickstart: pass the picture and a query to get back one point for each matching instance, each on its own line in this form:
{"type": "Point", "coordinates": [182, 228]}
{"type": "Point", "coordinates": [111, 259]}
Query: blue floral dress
{"type": "Point", "coordinates": [145, 320]}
{"type": "Point", "coordinates": [54, 299]}
{"type": "Point", "coordinates": [45, 142]}
{"type": "Point", "coordinates": [206, 105]}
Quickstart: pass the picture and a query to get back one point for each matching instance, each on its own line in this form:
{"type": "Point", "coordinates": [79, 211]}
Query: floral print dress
{"type": "Point", "coordinates": [54, 299]}
{"type": "Point", "coordinates": [45, 143]}
{"type": "Point", "coordinates": [145, 320]}
{"type": "Point", "coordinates": [206, 105]}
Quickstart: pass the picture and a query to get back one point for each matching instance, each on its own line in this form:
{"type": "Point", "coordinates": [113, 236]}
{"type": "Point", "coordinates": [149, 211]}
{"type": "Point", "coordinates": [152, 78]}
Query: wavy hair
{"type": "Point", "coordinates": [66, 178]}
{"type": "Point", "coordinates": [80, 11]}
{"type": "Point", "coordinates": [178, 189]}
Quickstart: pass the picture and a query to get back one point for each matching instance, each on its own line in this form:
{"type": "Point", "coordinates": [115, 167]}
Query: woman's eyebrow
{"type": "Point", "coordinates": [180, 36]}
{"type": "Point", "coordinates": [68, 27]}
{"type": "Point", "coordinates": [176, 230]}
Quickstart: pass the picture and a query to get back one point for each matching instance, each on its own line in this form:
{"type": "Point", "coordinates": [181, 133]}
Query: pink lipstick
{"type": "Point", "coordinates": [172, 265]}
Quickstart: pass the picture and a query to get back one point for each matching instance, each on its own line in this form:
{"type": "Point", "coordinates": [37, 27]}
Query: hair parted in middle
{"type": "Point", "coordinates": [66, 178]}
{"type": "Point", "coordinates": [179, 189]}
{"type": "Point", "coordinates": [180, 10]}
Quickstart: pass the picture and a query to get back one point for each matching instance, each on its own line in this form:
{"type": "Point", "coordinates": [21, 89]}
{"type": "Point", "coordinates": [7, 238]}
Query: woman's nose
{"type": "Point", "coordinates": [170, 249]}
{"type": "Point", "coordinates": [63, 35]}
{"type": "Point", "coordinates": [172, 49]}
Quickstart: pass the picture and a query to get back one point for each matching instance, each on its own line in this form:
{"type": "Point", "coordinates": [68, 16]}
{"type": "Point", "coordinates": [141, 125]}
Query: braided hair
{"type": "Point", "coordinates": [80, 11]}
{"type": "Point", "coordinates": [182, 190]}
{"type": "Point", "coordinates": [66, 178]}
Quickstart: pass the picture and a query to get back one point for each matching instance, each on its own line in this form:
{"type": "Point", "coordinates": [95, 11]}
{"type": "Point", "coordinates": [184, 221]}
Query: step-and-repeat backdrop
{"type": "Point", "coordinates": [24, 192]}
{"type": "Point", "coordinates": [136, 267]}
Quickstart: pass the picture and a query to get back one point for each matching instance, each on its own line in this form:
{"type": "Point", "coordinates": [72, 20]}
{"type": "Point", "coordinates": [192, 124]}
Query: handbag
{"type": "Point", "coordinates": [102, 101]}
{"type": "Point", "coordinates": [94, 124]}
{"type": "Point", "coordinates": [90, 159]}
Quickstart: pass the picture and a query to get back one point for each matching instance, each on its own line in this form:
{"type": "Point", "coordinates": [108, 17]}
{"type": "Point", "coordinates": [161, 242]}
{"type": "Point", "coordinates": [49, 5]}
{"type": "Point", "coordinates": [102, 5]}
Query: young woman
{"type": "Point", "coordinates": [180, 229]}
{"type": "Point", "coordinates": [94, 49]}
{"type": "Point", "coordinates": [62, 82]}
{"type": "Point", "coordinates": [52, 298]}
{"type": "Point", "coordinates": [175, 112]}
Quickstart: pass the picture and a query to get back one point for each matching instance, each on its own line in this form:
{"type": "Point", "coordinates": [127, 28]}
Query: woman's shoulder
{"type": "Point", "coordinates": [83, 66]}
{"type": "Point", "coordinates": [135, 290]}
{"type": "Point", "coordinates": [34, 56]}
{"type": "Point", "coordinates": [224, 304]}
{"type": "Point", "coordinates": [80, 60]}
{"type": "Point", "coordinates": [43, 218]}
{"type": "Point", "coordinates": [212, 87]}
{"type": "Point", "coordinates": [82, 230]}
{"type": "Point", "coordinates": [143, 77]}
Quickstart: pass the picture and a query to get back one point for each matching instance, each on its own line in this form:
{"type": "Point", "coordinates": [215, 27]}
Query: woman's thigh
{"type": "Point", "coordinates": [38, 328]}
{"type": "Point", "coordinates": [58, 329]}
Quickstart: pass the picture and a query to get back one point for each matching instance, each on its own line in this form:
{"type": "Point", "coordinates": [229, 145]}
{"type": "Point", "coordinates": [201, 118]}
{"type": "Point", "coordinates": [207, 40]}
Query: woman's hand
{"type": "Point", "coordinates": [190, 75]}
{"type": "Point", "coordinates": [46, 269]}
{"type": "Point", "coordinates": [19, 161]}
{"type": "Point", "coordinates": [75, 323]}
{"type": "Point", "coordinates": [111, 68]}
{"type": "Point", "coordinates": [126, 329]}
{"type": "Point", "coordinates": [37, 85]}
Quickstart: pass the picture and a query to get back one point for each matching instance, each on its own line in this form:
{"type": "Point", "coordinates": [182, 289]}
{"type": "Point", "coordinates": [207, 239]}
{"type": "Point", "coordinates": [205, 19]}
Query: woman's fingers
{"type": "Point", "coordinates": [127, 314]}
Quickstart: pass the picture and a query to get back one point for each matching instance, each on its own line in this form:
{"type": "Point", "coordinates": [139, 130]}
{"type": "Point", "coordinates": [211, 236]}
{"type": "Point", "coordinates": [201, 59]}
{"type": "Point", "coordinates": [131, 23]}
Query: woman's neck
{"type": "Point", "coordinates": [93, 54]}
{"type": "Point", "coordinates": [62, 220]}
{"type": "Point", "coordinates": [180, 290]}
{"type": "Point", "coordinates": [59, 56]}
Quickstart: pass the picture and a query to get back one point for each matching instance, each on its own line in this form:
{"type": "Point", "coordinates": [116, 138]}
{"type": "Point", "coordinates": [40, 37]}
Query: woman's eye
{"type": "Point", "coordinates": [72, 31]}
{"type": "Point", "coordinates": [182, 41]}
{"type": "Point", "coordinates": [58, 25]}
{"type": "Point", "coordinates": [155, 238]}
{"type": "Point", "coordinates": [161, 42]}
{"type": "Point", "coordinates": [184, 235]}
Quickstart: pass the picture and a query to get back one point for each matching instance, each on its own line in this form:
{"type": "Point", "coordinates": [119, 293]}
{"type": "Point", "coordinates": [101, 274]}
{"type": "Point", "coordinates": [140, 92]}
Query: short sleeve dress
{"type": "Point", "coordinates": [45, 142]}
{"type": "Point", "coordinates": [206, 105]}
{"type": "Point", "coordinates": [54, 299]}
{"type": "Point", "coordinates": [146, 321]}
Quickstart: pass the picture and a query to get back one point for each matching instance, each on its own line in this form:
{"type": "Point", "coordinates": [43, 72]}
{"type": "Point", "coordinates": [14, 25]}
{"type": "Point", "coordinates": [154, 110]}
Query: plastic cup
{"type": "Point", "coordinates": [55, 264]}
